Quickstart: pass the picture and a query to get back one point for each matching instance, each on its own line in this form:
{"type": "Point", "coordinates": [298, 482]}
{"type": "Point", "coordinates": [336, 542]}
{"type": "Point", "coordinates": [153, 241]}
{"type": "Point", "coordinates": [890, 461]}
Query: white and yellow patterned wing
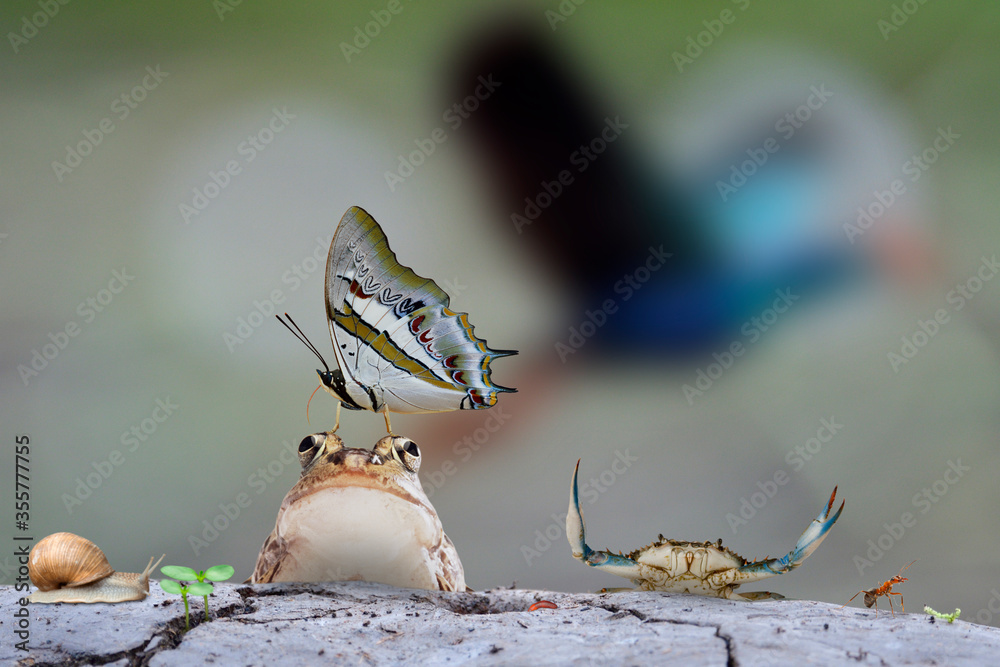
{"type": "Point", "coordinates": [398, 344]}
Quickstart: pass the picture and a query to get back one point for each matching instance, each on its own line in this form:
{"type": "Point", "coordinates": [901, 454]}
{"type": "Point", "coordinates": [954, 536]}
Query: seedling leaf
{"type": "Point", "coordinates": [179, 572]}
{"type": "Point", "coordinates": [219, 572]}
{"type": "Point", "coordinates": [171, 586]}
{"type": "Point", "coordinates": [198, 588]}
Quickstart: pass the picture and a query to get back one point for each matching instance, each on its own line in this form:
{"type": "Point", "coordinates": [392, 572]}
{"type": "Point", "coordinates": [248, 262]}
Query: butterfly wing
{"type": "Point", "coordinates": [396, 340]}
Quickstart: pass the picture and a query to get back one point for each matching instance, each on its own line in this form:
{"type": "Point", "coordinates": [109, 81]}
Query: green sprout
{"type": "Point", "coordinates": [197, 585]}
{"type": "Point", "coordinates": [944, 617]}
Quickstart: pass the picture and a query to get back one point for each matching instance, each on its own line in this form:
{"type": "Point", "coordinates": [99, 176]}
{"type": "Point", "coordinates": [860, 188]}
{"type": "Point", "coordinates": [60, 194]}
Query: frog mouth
{"type": "Point", "coordinates": [357, 477]}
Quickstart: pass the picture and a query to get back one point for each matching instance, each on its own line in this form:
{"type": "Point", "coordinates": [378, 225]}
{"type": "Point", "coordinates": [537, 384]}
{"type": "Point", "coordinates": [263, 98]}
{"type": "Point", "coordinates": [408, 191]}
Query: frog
{"type": "Point", "coordinates": [358, 514]}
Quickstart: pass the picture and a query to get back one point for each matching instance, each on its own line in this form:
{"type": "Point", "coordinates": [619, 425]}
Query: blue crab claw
{"type": "Point", "coordinates": [808, 543]}
{"type": "Point", "coordinates": [576, 533]}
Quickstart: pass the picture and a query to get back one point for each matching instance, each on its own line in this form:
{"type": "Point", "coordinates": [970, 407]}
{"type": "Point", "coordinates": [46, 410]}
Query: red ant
{"type": "Point", "coordinates": [872, 595]}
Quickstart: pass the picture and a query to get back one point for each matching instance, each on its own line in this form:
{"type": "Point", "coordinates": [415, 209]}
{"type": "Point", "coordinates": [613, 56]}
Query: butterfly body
{"type": "Point", "coordinates": [399, 347]}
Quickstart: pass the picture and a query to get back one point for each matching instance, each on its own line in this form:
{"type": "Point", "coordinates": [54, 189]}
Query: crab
{"type": "Point", "coordinates": [700, 568]}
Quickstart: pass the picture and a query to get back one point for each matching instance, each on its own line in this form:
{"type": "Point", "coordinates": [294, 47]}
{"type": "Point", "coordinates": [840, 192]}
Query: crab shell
{"type": "Point", "coordinates": [683, 566]}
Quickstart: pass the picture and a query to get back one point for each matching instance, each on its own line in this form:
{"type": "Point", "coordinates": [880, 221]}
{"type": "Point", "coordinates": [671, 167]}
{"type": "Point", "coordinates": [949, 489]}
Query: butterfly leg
{"type": "Point", "coordinates": [388, 425]}
{"type": "Point", "coordinates": [337, 424]}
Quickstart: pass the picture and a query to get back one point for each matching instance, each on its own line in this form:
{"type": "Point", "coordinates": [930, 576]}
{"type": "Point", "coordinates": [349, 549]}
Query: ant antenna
{"type": "Point", "coordinates": [297, 332]}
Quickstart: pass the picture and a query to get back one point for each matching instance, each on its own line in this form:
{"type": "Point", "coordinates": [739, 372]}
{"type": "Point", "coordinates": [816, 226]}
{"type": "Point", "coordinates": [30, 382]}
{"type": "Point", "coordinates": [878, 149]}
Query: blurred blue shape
{"type": "Point", "coordinates": [777, 228]}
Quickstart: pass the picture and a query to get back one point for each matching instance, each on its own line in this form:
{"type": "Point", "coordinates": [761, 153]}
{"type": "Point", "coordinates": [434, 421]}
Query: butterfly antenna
{"type": "Point", "coordinates": [297, 332]}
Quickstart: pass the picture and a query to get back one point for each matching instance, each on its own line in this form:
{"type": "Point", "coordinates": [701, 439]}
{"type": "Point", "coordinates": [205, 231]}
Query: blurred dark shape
{"type": "Point", "coordinates": [532, 124]}
{"type": "Point", "coordinates": [601, 226]}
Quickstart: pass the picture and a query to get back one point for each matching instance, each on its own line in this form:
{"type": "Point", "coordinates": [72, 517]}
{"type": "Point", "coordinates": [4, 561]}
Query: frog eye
{"type": "Point", "coordinates": [409, 455]}
{"type": "Point", "coordinates": [309, 448]}
{"type": "Point", "coordinates": [315, 445]}
{"type": "Point", "coordinates": [308, 443]}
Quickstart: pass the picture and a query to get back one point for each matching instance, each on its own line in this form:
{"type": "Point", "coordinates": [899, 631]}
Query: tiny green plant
{"type": "Point", "coordinates": [944, 617]}
{"type": "Point", "coordinates": [198, 585]}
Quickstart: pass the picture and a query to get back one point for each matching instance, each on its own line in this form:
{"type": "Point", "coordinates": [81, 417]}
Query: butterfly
{"type": "Point", "coordinates": [399, 348]}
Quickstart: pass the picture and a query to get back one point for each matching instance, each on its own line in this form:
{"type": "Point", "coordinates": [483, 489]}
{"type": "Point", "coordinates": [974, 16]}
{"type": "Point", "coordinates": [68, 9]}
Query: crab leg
{"type": "Point", "coordinates": [576, 534]}
{"type": "Point", "coordinates": [807, 544]}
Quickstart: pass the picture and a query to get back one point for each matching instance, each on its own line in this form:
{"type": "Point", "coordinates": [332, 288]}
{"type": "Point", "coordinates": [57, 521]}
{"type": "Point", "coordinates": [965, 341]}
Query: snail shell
{"type": "Point", "coordinates": [68, 568]}
{"type": "Point", "coordinates": [65, 559]}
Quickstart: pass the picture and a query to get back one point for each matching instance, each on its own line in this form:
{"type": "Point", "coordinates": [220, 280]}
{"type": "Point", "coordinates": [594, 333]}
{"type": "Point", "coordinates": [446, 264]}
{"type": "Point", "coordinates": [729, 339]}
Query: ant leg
{"type": "Point", "coordinates": [900, 599]}
{"type": "Point", "coordinates": [851, 600]}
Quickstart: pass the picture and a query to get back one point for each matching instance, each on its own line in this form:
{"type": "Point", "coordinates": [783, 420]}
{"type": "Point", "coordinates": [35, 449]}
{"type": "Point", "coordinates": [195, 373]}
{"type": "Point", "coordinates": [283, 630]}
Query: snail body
{"type": "Point", "coordinates": [68, 568]}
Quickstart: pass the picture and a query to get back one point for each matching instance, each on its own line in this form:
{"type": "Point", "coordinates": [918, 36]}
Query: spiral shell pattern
{"type": "Point", "coordinates": [65, 560]}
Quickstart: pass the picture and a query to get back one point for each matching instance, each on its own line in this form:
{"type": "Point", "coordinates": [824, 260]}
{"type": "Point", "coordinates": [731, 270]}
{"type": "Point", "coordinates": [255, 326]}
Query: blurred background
{"type": "Point", "coordinates": [731, 241]}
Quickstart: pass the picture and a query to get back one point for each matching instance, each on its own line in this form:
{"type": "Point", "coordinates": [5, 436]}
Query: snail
{"type": "Point", "coordinates": [68, 568]}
